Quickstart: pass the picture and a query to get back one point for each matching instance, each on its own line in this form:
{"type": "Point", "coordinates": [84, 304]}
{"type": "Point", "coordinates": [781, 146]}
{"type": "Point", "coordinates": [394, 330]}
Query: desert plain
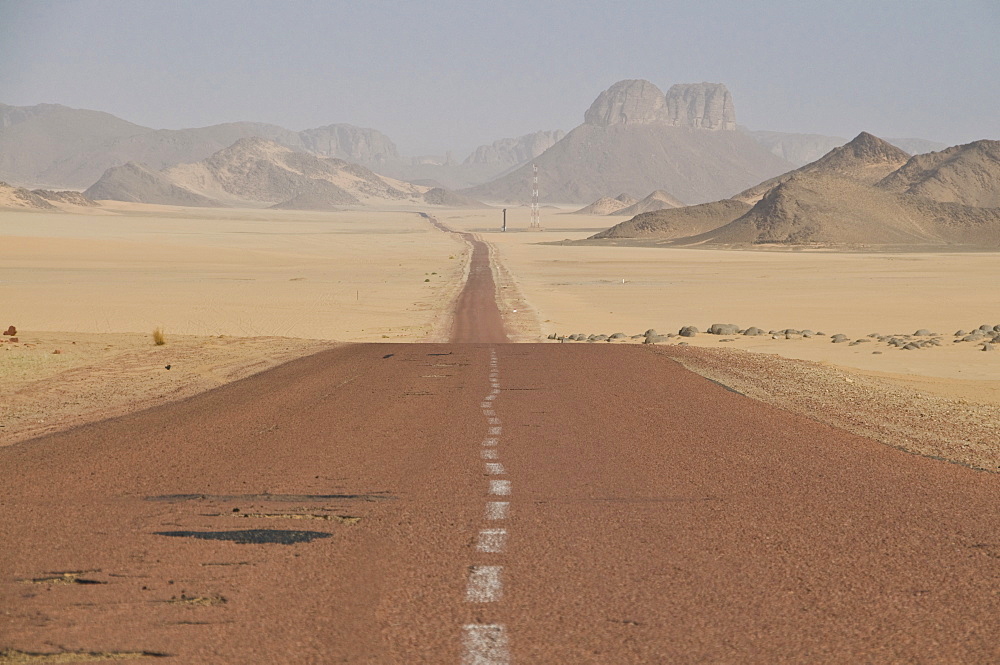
{"type": "Point", "coordinates": [237, 291]}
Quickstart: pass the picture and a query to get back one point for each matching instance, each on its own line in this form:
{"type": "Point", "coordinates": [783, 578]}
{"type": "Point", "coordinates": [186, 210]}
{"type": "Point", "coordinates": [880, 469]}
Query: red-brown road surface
{"type": "Point", "coordinates": [624, 511]}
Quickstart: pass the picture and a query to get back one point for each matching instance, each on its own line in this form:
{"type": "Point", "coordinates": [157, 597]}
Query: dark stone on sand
{"type": "Point", "coordinates": [723, 329]}
{"type": "Point", "coordinates": [688, 331]}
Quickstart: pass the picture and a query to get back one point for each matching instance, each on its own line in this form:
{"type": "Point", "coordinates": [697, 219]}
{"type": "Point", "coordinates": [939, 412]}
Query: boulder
{"type": "Point", "coordinates": [723, 329]}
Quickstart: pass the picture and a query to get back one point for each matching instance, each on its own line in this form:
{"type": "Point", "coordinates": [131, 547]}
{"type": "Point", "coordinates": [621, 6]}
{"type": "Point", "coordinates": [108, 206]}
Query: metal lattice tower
{"type": "Point", "coordinates": [536, 225]}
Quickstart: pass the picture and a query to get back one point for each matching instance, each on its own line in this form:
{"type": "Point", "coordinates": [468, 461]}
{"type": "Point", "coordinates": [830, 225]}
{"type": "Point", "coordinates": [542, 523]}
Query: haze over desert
{"type": "Point", "coordinates": [538, 333]}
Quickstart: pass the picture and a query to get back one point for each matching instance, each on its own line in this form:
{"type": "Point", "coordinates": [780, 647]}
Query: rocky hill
{"type": "Point", "coordinates": [658, 200]}
{"type": "Point", "coordinates": [636, 138]}
{"type": "Point", "coordinates": [865, 193]}
{"type": "Point", "coordinates": [673, 223]}
{"type": "Point", "coordinates": [607, 205]}
{"type": "Point", "coordinates": [835, 210]}
{"type": "Point", "coordinates": [801, 149]}
{"type": "Point", "coordinates": [967, 174]}
{"type": "Point", "coordinates": [136, 183]}
{"type": "Point", "coordinates": [254, 172]}
{"type": "Point", "coordinates": [19, 197]}
{"type": "Point", "coordinates": [866, 158]}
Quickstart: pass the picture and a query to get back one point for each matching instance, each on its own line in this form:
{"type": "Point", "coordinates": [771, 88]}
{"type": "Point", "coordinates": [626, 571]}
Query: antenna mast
{"type": "Point", "coordinates": [535, 223]}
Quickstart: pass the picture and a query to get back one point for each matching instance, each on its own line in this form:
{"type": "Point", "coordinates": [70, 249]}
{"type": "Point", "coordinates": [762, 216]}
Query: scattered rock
{"type": "Point", "coordinates": [688, 331]}
{"type": "Point", "coordinates": [839, 338]}
{"type": "Point", "coordinates": [923, 332]}
{"type": "Point", "coordinates": [11, 331]}
{"type": "Point", "coordinates": [723, 329]}
{"type": "Point", "coordinates": [753, 331]}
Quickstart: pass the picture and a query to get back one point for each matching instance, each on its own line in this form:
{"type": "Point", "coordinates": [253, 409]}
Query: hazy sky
{"type": "Point", "coordinates": [452, 75]}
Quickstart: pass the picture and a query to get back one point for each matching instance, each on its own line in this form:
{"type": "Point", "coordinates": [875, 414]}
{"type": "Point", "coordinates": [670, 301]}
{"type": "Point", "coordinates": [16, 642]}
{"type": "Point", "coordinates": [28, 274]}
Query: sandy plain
{"type": "Point", "coordinates": [238, 291]}
{"type": "Point", "coordinates": [580, 289]}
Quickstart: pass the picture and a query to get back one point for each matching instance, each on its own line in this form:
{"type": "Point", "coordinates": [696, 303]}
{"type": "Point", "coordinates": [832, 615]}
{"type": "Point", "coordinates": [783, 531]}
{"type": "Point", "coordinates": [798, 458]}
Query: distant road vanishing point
{"type": "Point", "coordinates": [486, 502]}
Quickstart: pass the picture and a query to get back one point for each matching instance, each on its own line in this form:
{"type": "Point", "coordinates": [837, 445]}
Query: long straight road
{"type": "Point", "coordinates": [491, 503]}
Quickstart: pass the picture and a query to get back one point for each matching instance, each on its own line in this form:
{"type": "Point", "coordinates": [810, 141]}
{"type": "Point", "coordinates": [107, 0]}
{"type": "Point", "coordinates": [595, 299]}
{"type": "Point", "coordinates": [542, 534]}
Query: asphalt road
{"type": "Point", "coordinates": [483, 502]}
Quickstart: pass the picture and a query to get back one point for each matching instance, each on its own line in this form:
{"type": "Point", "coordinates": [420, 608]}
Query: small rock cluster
{"type": "Point", "coordinates": [11, 332]}
{"type": "Point", "coordinates": [986, 335]}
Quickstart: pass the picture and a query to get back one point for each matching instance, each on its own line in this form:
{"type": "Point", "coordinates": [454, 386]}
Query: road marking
{"type": "Point", "coordinates": [500, 487]}
{"type": "Point", "coordinates": [490, 441]}
{"type": "Point", "coordinates": [485, 405]}
{"type": "Point", "coordinates": [492, 540]}
{"type": "Point", "coordinates": [495, 468]}
{"type": "Point", "coordinates": [489, 453]}
{"type": "Point", "coordinates": [497, 510]}
{"type": "Point", "coordinates": [484, 644]}
{"type": "Point", "coordinates": [495, 431]}
{"type": "Point", "coordinates": [485, 585]}
{"type": "Point", "coordinates": [493, 421]}
{"type": "Point", "coordinates": [487, 411]}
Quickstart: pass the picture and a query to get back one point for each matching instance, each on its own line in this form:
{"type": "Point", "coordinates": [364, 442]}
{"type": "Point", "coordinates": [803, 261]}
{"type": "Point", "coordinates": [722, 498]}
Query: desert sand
{"type": "Point", "coordinates": [238, 291]}
{"type": "Point", "coordinates": [235, 291]}
{"type": "Point", "coordinates": [580, 289]}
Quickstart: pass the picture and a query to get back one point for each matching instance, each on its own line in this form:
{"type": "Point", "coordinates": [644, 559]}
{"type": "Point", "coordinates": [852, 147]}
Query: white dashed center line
{"type": "Point", "coordinates": [492, 540]}
{"type": "Point", "coordinates": [485, 644]}
{"type": "Point", "coordinates": [485, 585]}
{"type": "Point", "coordinates": [500, 487]}
{"type": "Point", "coordinates": [497, 510]}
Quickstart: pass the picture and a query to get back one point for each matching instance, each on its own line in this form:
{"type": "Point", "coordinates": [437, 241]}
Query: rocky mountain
{"type": "Point", "coordinates": [636, 138]}
{"type": "Point", "coordinates": [639, 102]}
{"type": "Point", "coordinates": [831, 210]}
{"type": "Point", "coordinates": [369, 147]}
{"type": "Point", "coordinates": [865, 193]}
{"type": "Point", "coordinates": [967, 174]}
{"type": "Point", "coordinates": [138, 184]}
{"type": "Point", "coordinates": [657, 200]}
{"type": "Point", "coordinates": [255, 172]}
{"type": "Point", "coordinates": [507, 153]}
{"type": "Point", "coordinates": [59, 146]}
{"type": "Point", "coordinates": [801, 149]}
{"type": "Point", "coordinates": [673, 223]}
{"type": "Point", "coordinates": [866, 158]}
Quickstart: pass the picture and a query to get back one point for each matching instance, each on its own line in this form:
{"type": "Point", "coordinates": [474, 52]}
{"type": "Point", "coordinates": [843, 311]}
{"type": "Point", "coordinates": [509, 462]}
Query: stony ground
{"type": "Point", "coordinates": [956, 430]}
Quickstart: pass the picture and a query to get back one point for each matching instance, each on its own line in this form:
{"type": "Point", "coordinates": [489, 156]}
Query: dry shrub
{"type": "Point", "coordinates": [158, 337]}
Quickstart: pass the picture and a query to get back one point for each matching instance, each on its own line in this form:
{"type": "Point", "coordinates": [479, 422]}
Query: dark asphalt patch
{"type": "Point", "coordinates": [251, 536]}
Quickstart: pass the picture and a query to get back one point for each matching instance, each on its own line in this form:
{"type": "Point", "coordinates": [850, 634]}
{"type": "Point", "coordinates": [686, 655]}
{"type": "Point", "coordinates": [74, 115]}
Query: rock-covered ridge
{"type": "Point", "coordinates": [639, 102]}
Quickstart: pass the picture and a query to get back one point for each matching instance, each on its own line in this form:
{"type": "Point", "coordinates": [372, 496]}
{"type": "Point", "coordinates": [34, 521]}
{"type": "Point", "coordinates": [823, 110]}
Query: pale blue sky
{"type": "Point", "coordinates": [452, 75]}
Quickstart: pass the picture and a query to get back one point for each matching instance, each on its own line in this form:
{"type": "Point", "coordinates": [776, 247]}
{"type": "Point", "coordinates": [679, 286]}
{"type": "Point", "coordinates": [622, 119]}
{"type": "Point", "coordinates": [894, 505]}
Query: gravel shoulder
{"type": "Point", "coordinates": [893, 411]}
